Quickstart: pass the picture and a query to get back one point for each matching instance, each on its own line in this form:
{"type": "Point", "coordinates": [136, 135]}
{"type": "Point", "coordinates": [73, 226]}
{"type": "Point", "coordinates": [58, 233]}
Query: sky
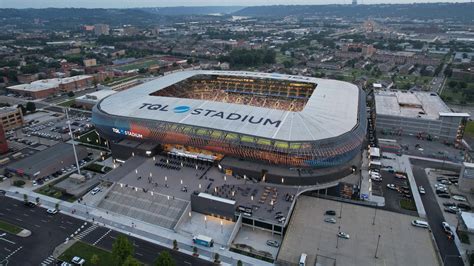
{"type": "Point", "coordinates": [164, 3]}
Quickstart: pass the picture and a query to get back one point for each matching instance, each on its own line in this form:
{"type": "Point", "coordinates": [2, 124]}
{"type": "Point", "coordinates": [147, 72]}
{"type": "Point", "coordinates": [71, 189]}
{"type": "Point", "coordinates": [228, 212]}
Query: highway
{"type": "Point", "coordinates": [48, 231]}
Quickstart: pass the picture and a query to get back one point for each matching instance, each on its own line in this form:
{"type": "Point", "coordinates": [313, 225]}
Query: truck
{"type": "Point", "coordinates": [203, 240]}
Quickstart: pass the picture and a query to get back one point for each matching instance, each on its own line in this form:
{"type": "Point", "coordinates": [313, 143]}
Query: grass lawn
{"type": "Point", "coordinates": [138, 65]}
{"type": "Point", "coordinates": [10, 228]}
{"type": "Point", "coordinates": [86, 251]}
{"type": "Point", "coordinates": [97, 168]}
{"type": "Point", "coordinates": [92, 138]}
{"type": "Point", "coordinates": [469, 130]}
{"type": "Point", "coordinates": [67, 103]}
{"type": "Point", "coordinates": [408, 204]}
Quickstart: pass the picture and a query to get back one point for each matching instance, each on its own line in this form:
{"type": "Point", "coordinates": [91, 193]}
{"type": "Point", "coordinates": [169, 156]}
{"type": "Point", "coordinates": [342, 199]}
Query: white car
{"type": "Point", "coordinates": [392, 186]}
{"type": "Point", "coordinates": [459, 198]}
{"type": "Point", "coordinates": [421, 190]}
{"type": "Point", "coordinates": [343, 235]}
{"type": "Point", "coordinates": [78, 260]}
{"type": "Point", "coordinates": [376, 178]}
{"type": "Point", "coordinates": [330, 220]}
{"type": "Point", "coordinates": [95, 191]}
{"type": "Point", "coordinates": [52, 211]}
{"type": "Point", "coordinates": [35, 183]}
{"type": "Point", "coordinates": [419, 223]}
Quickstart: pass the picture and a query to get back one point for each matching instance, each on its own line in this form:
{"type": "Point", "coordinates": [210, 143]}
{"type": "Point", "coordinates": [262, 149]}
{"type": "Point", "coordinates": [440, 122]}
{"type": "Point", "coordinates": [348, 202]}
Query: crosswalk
{"type": "Point", "coordinates": [48, 261]}
{"type": "Point", "coordinates": [84, 233]}
{"type": "Point", "coordinates": [100, 238]}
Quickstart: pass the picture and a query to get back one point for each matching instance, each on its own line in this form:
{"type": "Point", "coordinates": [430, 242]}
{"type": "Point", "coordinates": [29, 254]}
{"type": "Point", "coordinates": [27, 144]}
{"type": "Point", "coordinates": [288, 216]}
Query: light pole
{"type": "Point", "coordinates": [340, 212]}
{"type": "Point", "coordinates": [377, 248]}
{"type": "Point", "coordinates": [222, 227]}
{"type": "Point", "coordinates": [205, 221]}
{"type": "Point", "coordinates": [337, 237]}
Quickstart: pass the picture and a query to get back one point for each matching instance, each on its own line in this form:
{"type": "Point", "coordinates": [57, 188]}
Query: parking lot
{"type": "Point", "coordinates": [375, 238]}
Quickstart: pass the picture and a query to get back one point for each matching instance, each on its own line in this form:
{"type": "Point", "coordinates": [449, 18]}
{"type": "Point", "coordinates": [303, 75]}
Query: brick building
{"type": "Point", "coordinates": [11, 118]}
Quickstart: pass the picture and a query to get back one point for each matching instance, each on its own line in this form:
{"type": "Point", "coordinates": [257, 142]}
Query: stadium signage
{"type": "Point", "coordinates": [213, 114]}
{"type": "Point", "coordinates": [127, 133]}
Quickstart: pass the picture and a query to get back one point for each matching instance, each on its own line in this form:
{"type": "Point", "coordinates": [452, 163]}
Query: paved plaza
{"type": "Point", "coordinates": [179, 178]}
{"type": "Point", "coordinates": [153, 208]}
{"type": "Point", "coordinates": [400, 242]}
{"type": "Point", "coordinates": [257, 239]}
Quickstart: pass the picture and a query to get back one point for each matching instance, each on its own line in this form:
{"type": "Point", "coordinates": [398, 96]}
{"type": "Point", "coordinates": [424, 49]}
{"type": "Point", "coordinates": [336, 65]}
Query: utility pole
{"type": "Point", "coordinates": [375, 214]}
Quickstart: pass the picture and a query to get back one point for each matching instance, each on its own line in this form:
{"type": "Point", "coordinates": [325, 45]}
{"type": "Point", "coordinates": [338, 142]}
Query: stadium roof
{"type": "Point", "coordinates": [332, 109]}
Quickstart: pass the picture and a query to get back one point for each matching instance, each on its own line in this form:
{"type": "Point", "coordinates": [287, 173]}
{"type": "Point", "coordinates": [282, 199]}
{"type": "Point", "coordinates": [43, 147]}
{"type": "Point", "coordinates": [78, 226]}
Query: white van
{"type": "Point", "coordinates": [419, 223]}
{"type": "Point", "coordinates": [303, 259]}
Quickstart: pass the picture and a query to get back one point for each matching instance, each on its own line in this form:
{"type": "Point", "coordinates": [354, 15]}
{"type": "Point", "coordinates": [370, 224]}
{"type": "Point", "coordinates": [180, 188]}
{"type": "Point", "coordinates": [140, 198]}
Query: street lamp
{"type": "Point", "coordinates": [205, 221]}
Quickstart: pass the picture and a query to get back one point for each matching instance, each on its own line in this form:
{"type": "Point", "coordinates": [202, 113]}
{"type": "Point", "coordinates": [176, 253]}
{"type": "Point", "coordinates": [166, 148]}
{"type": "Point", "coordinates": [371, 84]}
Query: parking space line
{"type": "Point", "coordinates": [62, 227]}
{"type": "Point", "coordinates": [26, 215]}
{"type": "Point", "coordinates": [44, 221]}
{"type": "Point", "coordinates": [139, 254]}
{"type": "Point", "coordinates": [18, 219]}
{"type": "Point", "coordinates": [8, 241]}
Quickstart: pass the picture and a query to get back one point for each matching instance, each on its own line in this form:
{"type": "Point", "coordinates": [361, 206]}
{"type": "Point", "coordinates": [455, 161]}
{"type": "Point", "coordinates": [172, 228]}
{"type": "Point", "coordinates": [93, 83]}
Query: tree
{"type": "Point", "coordinates": [216, 258]}
{"type": "Point", "coordinates": [31, 107]}
{"type": "Point", "coordinates": [175, 245]}
{"type": "Point", "coordinates": [25, 198]}
{"type": "Point", "coordinates": [239, 263]}
{"type": "Point", "coordinates": [165, 259]}
{"type": "Point", "coordinates": [70, 94]}
{"type": "Point", "coordinates": [37, 200]}
{"type": "Point", "coordinates": [22, 108]}
{"type": "Point", "coordinates": [56, 206]}
{"type": "Point", "coordinates": [95, 259]}
{"type": "Point", "coordinates": [195, 251]}
{"type": "Point", "coordinates": [121, 250]}
{"type": "Point", "coordinates": [131, 261]}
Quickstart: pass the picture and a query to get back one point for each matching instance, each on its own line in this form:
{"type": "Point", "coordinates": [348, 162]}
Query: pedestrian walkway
{"type": "Point", "coordinates": [84, 233]}
{"type": "Point", "coordinates": [48, 261]}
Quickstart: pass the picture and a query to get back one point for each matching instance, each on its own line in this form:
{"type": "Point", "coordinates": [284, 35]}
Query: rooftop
{"type": "Point", "coordinates": [96, 96]}
{"type": "Point", "coordinates": [8, 109]}
{"type": "Point", "coordinates": [322, 116]}
{"type": "Point", "coordinates": [46, 84]}
{"type": "Point", "coordinates": [414, 104]}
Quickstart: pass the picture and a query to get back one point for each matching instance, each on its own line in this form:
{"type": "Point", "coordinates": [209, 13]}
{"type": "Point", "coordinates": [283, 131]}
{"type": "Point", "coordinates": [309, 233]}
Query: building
{"type": "Point", "coordinates": [90, 62]}
{"type": "Point", "coordinates": [466, 177]}
{"type": "Point", "coordinates": [47, 87]}
{"type": "Point", "coordinates": [3, 141]}
{"type": "Point", "coordinates": [101, 29]}
{"type": "Point", "coordinates": [88, 101]}
{"type": "Point", "coordinates": [11, 118]}
{"type": "Point", "coordinates": [420, 114]}
{"type": "Point", "coordinates": [279, 124]}
{"type": "Point", "coordinates": [465, 75]}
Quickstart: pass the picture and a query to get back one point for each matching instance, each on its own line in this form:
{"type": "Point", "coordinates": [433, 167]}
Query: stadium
{"type": "Point", "coordinates": [252, 122]}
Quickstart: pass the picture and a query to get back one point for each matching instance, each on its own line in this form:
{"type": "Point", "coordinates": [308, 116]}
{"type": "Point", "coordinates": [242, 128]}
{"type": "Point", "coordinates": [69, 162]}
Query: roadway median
{"type": "Point", "coordinates": [14, 229]}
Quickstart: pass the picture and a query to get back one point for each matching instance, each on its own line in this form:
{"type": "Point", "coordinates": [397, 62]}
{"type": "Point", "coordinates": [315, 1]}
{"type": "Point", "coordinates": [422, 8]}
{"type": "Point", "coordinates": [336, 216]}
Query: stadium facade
{"type": "Point", "coordinates": [286, 121]}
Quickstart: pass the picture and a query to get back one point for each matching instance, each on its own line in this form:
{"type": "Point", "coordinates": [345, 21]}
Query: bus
{"type": "Point", "coordinates": [203, 240]}
{"type": "Point", "coordinates": [303, 259]}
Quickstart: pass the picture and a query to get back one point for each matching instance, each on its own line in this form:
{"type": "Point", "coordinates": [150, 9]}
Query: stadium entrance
{"type": "Point", "coordinates": [192, 153]}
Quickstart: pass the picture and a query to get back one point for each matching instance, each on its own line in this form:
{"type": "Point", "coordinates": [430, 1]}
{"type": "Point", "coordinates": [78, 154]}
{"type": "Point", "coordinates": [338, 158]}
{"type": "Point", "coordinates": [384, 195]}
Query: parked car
{"type": "Point", "coordinates": [30, 204]}
{"type": "Point", "coordinates": [273, 243]}
{"type": "Point", "coordinates": [391, 186]}
{"type": "Point", "coordinates": [78, 260]}
{"type": "Point", "coordinates": [419, 223]}
{"type": "Point", "coordinates": [452, 209]}
{"type": "Point", "coordinates": [95, 191]}
{"type": "Point", "coordinates": [330, 212]}
{"type": "Point", "coordinates": [330, 220]}
{"type": "Point", "coordinates": [449, 204]}
{"type": "Point", "coordinates": [464, 206]}
{"type": "Point", "coordinates": [52, 211]}
{"type": "Point", "coordinates": [444, 195]}
{"type": "Point", "coordinates": [459, 198]}
{"type": "Point", "coordinates": [343, 235]}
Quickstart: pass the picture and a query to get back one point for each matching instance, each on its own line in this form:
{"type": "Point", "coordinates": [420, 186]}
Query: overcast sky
{"type": "Point", "coordinates": [162, 3]}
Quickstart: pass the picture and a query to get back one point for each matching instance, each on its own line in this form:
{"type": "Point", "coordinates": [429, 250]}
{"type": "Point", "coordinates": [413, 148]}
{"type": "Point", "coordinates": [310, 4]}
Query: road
{"type": "Point", "coordinates": [50, 231]}
{"type": "Point", "coordinates": [448, 250]}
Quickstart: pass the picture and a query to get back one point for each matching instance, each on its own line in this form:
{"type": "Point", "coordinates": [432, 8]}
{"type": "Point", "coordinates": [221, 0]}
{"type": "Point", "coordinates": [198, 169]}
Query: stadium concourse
{"type": "Point", "coordinates": [290, 124]}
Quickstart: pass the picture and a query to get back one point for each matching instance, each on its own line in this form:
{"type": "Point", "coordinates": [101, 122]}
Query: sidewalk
{"type": "Point", "coordinates": [136, 228]}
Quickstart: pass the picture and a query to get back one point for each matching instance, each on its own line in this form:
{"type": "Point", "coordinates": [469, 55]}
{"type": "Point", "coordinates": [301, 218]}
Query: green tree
{"type": "Point", "coordinates": [31, 107]}
{"type": "Point", "coordinates": [70, 94]}
{"type": "Point", "coordinates": [121, 249]}
{"type": "Point", "coordinates": [25, 198]}
{"type": "Point", "coordinates": [95, 259]}
{"type": "Point", "coordinates": [217, 258]}
{"type": "Point", "coordinates": [239, 263]}
{"type": "Point", "coordinates": [165, 259]}
{"type": "Point", "coordinates": [131, 261]}
{"type": "Point", "coordinates": [175, 244]}
{"type": "Point", "coordinates": [22, 108]}
{"type": "Point", "coordinates": [195, 251]}
{"type": "Point", "coordinates": [37, 200]}
{"type": "Point", "coordinates": [56, 206]}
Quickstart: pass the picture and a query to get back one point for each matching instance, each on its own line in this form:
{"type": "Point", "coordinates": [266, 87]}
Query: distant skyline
{"type": "Point", "coordinates": [161, 3]}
